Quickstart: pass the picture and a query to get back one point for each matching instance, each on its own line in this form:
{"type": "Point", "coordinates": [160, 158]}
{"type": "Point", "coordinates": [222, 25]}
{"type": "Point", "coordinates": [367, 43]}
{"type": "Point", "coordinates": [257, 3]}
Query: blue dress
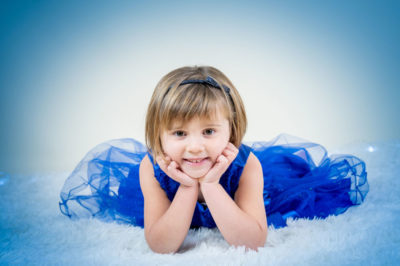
{"type": "Point", "coordinates": [300, 181]}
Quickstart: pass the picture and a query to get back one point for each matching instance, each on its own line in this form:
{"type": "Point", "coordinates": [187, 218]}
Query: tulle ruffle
{"type": "Point", "coordinates": [105, 184]}
{"type": "Point", "coordinates": [300, 181]}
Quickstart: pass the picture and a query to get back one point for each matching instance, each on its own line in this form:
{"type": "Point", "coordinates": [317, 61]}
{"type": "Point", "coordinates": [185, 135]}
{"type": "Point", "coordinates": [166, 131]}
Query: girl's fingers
{"type": "Point", "coordinates": [233, 148]}
{"type": "Point", "coordinates": [177, 175]}
{"type": "Point", "coordinates": [171, 168]}
{"type": "Point", "coordinates": [219, 168]}
{"type": "Point", "coordinates": [222, 160]}
{"type": "Point", "coordinates": [172, 165]}
{"type": "Point", "coordinates": [180, 177]}
{"type": "Point", "coordinates": [164, 162]}
{"type": "Point", "coordinates": [230, 152]}
{"type": "Point", "coordinates": [167, 160]}
{"type": "Point", "coordinates": [222, 163]}
{"type": "Point", "coordinates": [161, 162]}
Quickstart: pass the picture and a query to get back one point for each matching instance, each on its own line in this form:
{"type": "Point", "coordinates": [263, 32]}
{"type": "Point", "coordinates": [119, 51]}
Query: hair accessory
{"type": "Point", "coordinates": [209, 80]}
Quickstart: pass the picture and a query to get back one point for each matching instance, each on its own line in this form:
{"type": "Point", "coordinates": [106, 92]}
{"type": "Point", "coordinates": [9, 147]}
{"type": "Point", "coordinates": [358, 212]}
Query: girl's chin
{"type": "Point", "coordinates": [196, 177]}
{"type": "Point", "coordinates": [195, 174]}
{"type": "Point", "coordinates": [196, 170]}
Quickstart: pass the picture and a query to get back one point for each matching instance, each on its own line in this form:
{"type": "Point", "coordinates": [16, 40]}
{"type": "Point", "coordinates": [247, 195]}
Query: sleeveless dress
{"type": "Point", "coordinates": [300, 181]}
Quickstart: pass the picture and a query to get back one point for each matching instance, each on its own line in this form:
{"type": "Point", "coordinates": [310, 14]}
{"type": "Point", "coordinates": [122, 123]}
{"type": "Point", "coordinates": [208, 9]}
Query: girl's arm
{"type": "Point", "coordinates": [242, 222]}
{"type": "Point", "coordinates": [166, 223]}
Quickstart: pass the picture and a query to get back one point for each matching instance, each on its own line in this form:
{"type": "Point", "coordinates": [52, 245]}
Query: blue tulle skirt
{"type": "Point", "coordinates": [300, 181]}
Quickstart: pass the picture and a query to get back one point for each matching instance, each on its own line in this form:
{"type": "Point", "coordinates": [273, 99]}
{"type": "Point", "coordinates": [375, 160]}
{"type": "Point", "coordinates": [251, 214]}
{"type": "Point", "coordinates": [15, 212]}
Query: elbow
{"type": "Point", "coordinates": [263, 237]}
{"type": "Point", "coordinates": [256, 245]}
{"type": "Point", "coordinates": [256, 242]}
{"type": "Point", "coordinates": [259, 238]}
{"type": "Point", "coordinates": [262, 241]}
{"type": "Point", "coordinates": [157, 245]}
{"type": "Point", "coordinates": [259, 243]}
{"type": "Point", "coordinates": [162, 250]}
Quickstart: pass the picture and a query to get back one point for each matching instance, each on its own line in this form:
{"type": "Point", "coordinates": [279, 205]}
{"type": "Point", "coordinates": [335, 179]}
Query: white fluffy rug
{"type": "Point", "coordinates": [34, 232]}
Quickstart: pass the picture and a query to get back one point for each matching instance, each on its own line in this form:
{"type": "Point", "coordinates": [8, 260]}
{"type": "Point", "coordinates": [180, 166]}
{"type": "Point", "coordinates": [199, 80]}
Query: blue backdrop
{"type": "Point", "coordinates": [75, 73]}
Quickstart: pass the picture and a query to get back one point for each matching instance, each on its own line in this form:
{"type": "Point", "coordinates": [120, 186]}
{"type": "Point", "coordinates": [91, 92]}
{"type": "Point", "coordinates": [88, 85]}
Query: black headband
{"type": "Point", "coordinates": [209, 81]}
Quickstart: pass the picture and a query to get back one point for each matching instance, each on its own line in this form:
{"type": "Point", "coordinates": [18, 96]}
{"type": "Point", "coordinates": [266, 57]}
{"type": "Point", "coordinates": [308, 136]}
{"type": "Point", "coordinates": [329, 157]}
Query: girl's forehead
{"type": "Point", "coordinates": [212, 119]}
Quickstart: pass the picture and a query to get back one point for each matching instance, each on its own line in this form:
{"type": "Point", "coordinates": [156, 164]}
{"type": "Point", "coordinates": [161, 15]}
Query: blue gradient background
{"type": "Point", "coordinates": [76, 73]}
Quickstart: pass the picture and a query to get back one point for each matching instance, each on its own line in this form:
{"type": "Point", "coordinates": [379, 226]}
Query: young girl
{"type": "Point", "coordinates": [195, 171]}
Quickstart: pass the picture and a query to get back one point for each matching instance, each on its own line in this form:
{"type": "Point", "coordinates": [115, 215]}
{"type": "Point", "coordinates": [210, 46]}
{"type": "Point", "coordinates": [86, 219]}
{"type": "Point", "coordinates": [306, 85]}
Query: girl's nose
{"type": "Point", "coordinates": [195, 145]}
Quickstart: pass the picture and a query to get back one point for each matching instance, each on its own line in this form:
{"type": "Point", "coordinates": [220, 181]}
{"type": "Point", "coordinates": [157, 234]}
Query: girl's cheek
{"type": "Point", "coordinates": [172, 150]}
{"type": "Point", "coordinates": [220, 146]}
{"type": "Point", "coordinates": [166, 146]}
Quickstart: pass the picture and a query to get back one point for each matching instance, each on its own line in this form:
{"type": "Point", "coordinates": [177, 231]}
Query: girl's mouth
{"type": "Point", "coordinates": [196, 161]}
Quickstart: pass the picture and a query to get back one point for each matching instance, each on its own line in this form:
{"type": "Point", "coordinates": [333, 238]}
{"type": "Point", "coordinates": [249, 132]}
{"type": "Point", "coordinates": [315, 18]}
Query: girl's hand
{"type": "Point", "coordinates": [223, 161]}
{"type": "Point", "coordinates": [171, 169]}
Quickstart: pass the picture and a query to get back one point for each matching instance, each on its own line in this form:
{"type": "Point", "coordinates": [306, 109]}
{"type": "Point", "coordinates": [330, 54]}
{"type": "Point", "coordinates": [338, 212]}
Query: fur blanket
{"type": "Point", "coordinates": [34, 232]}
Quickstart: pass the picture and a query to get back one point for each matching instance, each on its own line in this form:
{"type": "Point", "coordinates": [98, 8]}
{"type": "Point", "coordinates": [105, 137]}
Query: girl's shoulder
{"type": "Point", "coordinates": [147, 163]}
{"type": "Point", "coordinates": [243, 155]}
{"type": "Point", "coordinates": [146, 171]}
{"type": "Point", "coordinates": [150, 161]}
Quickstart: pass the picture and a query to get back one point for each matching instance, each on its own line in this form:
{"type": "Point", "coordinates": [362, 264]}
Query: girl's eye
{"type": "Point", "coordinates": [209, 131]}
{"type": "Point", "coordinates": [179, 133]}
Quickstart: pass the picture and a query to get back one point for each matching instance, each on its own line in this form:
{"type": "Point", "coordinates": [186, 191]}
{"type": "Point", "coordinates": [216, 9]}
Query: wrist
{"type": "Point", "coordinates": [192, 188]}
{"type": "Point", "coordinates": [207, 185]}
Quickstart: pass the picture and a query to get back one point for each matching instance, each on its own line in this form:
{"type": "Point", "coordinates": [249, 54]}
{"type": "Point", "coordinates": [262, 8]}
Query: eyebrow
{"type": "Point", "coordinates": [175, 128]}
{"type": "Point", "coordinates": [181, 126]}
{"type": "Point", "coordinates": [213, 125]}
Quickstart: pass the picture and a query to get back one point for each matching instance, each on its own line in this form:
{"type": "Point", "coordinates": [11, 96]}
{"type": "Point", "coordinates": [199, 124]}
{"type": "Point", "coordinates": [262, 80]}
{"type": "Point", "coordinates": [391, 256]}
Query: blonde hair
{"type": "Point", "coordinates": [172, 102]}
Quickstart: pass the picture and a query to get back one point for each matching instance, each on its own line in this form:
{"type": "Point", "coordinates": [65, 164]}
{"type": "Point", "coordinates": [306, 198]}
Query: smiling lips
{"type": "Point", "coordinates": [196, 161]}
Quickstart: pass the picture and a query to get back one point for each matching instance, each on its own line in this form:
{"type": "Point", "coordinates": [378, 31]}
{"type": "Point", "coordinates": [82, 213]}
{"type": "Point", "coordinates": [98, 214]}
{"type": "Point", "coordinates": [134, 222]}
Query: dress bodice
{"type": "Point", "coordinates": [229, 181]}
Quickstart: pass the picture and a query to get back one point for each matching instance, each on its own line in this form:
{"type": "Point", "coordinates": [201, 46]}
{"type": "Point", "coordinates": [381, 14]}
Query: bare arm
{"type": "Point", "coordinates": [242, 222]}
{"type": "Point", "coordinates": [166, 223]}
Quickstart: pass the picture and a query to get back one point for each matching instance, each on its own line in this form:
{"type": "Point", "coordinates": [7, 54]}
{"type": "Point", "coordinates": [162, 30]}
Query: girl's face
{"type": "Point", "coordinates": [196, 145]}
